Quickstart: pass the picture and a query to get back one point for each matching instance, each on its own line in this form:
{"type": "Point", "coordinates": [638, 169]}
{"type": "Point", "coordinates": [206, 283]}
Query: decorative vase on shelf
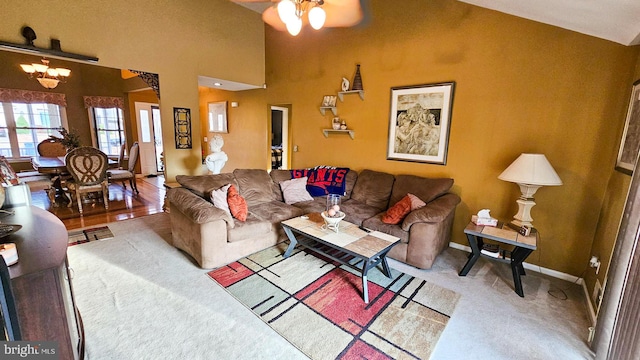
{"type": "Point", "coordinates": [335, 124]}
{"type": "Point", "coordinates": [357, 80]}
{"type": "Point", "coordinates": [345, 84]}
{"type": "Point", "coordinates": [343, 125]}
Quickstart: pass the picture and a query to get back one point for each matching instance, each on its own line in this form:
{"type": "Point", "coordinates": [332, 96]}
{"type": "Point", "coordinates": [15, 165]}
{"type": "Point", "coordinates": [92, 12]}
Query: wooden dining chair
{"type": "Point", "coordinates": [130, 172]}
{"type": "Point", "coordinates": [51, 147]}
{"type": "Point", "coordinates": [88, 169]}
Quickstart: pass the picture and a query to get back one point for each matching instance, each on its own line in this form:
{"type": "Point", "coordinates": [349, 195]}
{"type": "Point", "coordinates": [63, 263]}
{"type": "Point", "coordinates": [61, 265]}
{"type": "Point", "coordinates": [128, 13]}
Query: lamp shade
{"type": "Point", "coordinates": [532, 169]}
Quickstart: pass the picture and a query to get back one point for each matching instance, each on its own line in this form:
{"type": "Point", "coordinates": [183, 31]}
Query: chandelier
{"type": "Point", "coordinates": [46, 76]}
{"type": "Point", "coordinates": [291, 12]}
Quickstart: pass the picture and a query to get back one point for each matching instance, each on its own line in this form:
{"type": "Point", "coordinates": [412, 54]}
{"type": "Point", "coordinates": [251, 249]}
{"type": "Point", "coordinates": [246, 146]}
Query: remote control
{"type": "Point", "coordinates": [525, 230]}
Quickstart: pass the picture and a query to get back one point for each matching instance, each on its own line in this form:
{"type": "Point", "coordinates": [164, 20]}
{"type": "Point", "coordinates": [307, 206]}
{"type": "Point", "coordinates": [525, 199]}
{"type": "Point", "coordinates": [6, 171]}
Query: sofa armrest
{"type": "Point", "coordinates": [198, 209]}
{"type": "Point", "coordinates": [435, 211]}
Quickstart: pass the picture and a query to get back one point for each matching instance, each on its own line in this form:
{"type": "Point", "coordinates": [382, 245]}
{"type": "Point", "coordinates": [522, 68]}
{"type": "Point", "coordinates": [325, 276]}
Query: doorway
{"type": "Point", "coordinates": [149, 138]}
{"type": "Point", "coordinates": [279, 137]}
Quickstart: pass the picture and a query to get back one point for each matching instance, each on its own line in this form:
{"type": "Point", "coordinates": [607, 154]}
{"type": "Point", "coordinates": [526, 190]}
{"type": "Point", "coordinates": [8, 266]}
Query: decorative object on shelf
{"type": "Point", "coordinates": [182, 127]}
{"type": "Point", "coordinates": [630, 143]}
{"type": "Point", "coordinates": [345, 84]}
{"type": "Point", "coordinates": [289, 15]}
{"type": "Point", "coordinates": [357, 80]}
{"type": "Point", "coordinates": [47, 76]}
{"type": "Point", "coordinates": [343, 125]}
{"type": "Point", "coordinates": [329, 101]}
{"type": "Point", "coordinates": [217, 117]}
{"type": "Point", "coordinates": [217, 158]}
{"type": "Point", "coordinates": [419, 122]}
{"type": "Point", "coordinates": [530, 172]}
{"type": "Point", "coordinates": [335, 123]}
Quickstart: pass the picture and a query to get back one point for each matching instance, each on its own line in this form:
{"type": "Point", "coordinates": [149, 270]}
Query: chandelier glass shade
{"type": "Point", "coordinates": [291, 13]}
{"type": "Point", "coordinates": [47, 77]}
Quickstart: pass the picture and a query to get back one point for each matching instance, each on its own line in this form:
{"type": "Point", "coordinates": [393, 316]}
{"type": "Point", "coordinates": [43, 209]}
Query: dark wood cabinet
{"type": "Point", "coordinates": [41, 281]}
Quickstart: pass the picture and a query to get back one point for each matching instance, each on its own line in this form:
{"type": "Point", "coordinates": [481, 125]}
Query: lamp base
{"type": "Point", "coordinates": [523, 217]}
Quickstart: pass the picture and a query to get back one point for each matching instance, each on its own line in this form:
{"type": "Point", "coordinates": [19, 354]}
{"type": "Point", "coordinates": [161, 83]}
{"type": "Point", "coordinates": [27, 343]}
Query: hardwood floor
{"type": "Point", "coordinates": [123, 204]}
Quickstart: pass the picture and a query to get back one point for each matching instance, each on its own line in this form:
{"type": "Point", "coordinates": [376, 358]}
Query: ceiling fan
{"type": "Point", "coordinates": [291, 15]}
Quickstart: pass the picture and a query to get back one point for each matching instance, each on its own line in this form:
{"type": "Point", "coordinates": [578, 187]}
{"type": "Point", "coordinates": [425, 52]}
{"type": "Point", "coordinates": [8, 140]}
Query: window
{"type": "Point", "coordinates": [23, 126]}
{"type": "Point", "coordinates": [108, 128]}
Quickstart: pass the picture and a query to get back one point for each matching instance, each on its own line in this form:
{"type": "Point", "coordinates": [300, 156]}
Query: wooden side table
{"type": "Point", "coordinates": [524, 245]}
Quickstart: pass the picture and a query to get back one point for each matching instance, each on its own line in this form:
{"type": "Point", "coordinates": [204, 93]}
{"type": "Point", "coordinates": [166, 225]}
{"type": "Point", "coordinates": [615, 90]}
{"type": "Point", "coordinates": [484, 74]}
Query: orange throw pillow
{"type": "Point", "coordinates": [397, 212]}
{"type": "Point", "coordinates": [237, 204]}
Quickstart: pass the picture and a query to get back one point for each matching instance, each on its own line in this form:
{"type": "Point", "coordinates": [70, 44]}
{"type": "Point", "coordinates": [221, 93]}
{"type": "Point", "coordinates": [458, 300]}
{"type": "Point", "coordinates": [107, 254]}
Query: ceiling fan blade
{"type": "Point", "coordinates": [340, 13]}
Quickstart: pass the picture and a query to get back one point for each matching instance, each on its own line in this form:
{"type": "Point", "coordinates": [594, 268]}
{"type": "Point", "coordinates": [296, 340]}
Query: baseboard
{"type": "Point", "coordinates": [590, 308]}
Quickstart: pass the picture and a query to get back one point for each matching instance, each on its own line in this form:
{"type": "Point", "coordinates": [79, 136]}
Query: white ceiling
{"type": "Point", "coordinates": [614, 20]}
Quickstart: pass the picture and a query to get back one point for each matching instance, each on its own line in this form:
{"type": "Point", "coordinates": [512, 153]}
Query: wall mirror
{"type": "Point", "coordinates": [217, 117]}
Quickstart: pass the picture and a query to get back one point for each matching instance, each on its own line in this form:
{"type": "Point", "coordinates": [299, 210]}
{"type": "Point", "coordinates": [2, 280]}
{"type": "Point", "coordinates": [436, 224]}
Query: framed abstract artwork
{"type": "Point", "coordinates": [217, 117]}
{"type": "Point", "coordinates": [419, 123]}
{"type": "Point", "coordinates": [182, 126]}
{"type": "Point", "coordinates": [630, 143]}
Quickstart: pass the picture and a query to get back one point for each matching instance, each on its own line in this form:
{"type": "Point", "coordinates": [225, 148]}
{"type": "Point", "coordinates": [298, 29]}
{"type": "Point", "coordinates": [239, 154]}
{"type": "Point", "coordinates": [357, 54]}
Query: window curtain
{"type": "Point", "coordinates": [617, 335]}
{"type": "Point", "coordinates": [105, 102]}
{"type": "Point", "coordinates": [28, 97]}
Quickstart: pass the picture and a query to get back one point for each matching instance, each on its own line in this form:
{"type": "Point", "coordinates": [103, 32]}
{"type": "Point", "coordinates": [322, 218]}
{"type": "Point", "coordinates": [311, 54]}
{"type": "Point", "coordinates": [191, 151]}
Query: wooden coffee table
{"type": "Point", "coordinates": [351, 242]}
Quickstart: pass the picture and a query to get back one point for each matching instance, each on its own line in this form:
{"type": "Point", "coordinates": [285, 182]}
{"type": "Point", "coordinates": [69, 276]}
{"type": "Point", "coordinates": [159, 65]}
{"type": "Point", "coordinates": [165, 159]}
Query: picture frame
{"type": "Point", "coordinates": [217, 117]}
{"type": "Point", "coordinates": [420, 122]}
{"type": "Point", "coordinates": [182, 127]}
{"type": "Point", "coordinates": [8, 176]}
{"type": "Point", "coordinates": [329, 101]}
{"type": "Point", "coordinates": [630, 142]}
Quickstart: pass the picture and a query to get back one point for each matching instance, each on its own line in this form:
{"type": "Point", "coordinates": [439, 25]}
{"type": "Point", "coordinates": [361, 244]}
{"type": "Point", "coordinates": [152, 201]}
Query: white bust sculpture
{"type": "Point", "coordinates": [217, 158]}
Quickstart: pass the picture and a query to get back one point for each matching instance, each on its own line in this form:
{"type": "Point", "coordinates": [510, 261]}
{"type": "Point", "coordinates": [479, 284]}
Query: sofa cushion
{"type": "Point", "coordinates": [253, 228]}
{"type": "Point", "coordinates": [275, 211]}
{"type": "Point", "coordinates": [356, 211]}
{"type": "Point", "coordinates": [319, 204]}
{"type": "Point", "coordinates": [202, 185]}
{"type": "Point", "coordinates": [396, 213]}
{"type": "Point", "coordinates": [352, 176]}
{"type": "Point", "coordinates": [237, 204]}
{"type": "Point", "coordinates": [373, 188]}
{"type": "Point", "coordinates": [426, 189]}
{"type": "Point", "coordinates": [376, 223]}
{"type": "Point", "coordinates": [196, 208]}
{"type": "Point", "coordinates": [295, 190]}
{"type": "Point", "coordinates": [254, 185]}
{"type": "Point", "coordinates": [278, 176]}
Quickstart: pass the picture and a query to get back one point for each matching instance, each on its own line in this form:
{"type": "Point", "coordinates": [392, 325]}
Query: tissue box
{"type": "Point", "coordinates": [484, 221]}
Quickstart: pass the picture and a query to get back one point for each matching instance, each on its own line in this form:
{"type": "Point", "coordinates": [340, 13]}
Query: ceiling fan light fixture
{"type": "Point", "coordinates": [294, 26]}
{"type": "Point", "coordinates": [317, 17]}
{"type": "Point", "coordinates": [286, 10]}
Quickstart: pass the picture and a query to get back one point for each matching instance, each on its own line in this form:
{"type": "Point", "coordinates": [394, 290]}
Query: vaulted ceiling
{"type": "Point", "coordinates": [614, 20]}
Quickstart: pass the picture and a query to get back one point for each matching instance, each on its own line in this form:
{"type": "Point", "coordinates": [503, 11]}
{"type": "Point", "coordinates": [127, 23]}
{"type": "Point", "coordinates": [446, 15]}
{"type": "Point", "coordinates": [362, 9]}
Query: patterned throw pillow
{"type": "Point", "coordinates": [237, 204]}
{"type": "Point", "coordinates": [397, 212]}
{"type": "Point", "coordinates": [219, 198]}
{"type": "Point", "coordinates": [416, 203]}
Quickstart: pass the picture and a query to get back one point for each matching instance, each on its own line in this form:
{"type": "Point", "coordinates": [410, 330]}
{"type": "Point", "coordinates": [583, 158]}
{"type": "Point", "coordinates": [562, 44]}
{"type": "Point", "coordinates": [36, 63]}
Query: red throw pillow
{"type": "Point", "coordinates": [237, 204]}
{"type": "Point", "coordinates": [397, 212]}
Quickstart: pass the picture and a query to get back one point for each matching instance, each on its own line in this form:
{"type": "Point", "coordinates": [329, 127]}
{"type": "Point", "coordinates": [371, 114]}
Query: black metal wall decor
{"type": "Point", "coordinates": [182, 123]}
{"type": "Point", "coordinates": [150, 79]}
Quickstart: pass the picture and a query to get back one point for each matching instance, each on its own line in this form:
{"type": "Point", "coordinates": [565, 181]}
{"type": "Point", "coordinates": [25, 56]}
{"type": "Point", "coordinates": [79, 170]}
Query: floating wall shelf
{"type": "Point", "coordinates": [342, 93]}
{"type": "Point", "coordinates": [351, 133]}
{"type": "Point", "coordinates": [333, 109]}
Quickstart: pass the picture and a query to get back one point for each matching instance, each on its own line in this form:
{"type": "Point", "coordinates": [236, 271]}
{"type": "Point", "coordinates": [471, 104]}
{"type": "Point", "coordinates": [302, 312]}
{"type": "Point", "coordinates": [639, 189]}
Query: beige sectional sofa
{"type": "Point", "coordinates": [213, 238]}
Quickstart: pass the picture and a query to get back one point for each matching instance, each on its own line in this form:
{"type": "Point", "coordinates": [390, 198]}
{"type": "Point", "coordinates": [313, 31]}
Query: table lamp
{"type": "Point", "coordinates": [530, 172]}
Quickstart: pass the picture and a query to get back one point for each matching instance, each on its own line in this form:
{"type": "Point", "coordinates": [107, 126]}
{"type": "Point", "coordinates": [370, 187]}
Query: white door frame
{"type": "Point", "coordinates": [146, 139]}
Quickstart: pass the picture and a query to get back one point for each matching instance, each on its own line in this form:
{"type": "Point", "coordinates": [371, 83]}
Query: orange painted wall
{"type": "Point", "coordinates": [521, 86]}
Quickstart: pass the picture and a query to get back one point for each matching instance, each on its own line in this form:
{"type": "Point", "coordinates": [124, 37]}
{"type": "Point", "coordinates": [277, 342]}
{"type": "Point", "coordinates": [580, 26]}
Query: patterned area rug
{"type": "Point", "coordinates": [317, 306]}
{"type": "Point", "coordinates": [84, 236]}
